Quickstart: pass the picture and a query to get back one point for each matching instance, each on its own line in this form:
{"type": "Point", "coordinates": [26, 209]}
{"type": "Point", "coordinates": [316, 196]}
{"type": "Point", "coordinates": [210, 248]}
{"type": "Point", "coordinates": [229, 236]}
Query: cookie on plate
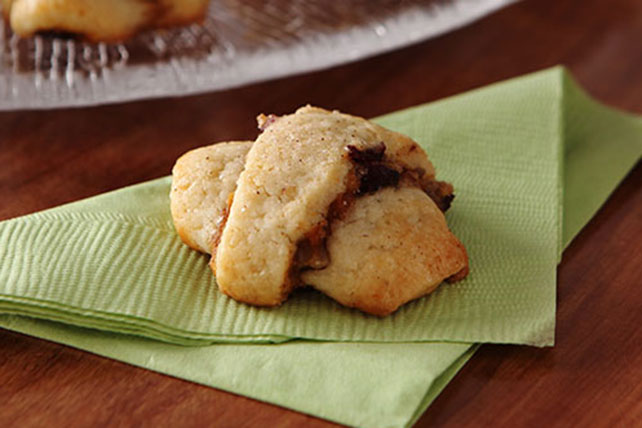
{"type": "Point", "coordinates": [99, 20]}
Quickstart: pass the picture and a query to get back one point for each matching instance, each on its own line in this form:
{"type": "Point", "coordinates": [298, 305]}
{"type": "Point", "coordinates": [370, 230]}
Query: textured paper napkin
{"type": "Point", "coordinates": [115, 263]}
{"type": "Point", "coordinates": [374, 384]}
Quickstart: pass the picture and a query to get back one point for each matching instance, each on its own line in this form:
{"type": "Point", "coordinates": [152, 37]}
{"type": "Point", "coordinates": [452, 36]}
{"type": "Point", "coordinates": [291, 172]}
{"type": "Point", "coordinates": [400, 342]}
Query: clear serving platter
{"type": "Point", "coordinates": [240, 42]}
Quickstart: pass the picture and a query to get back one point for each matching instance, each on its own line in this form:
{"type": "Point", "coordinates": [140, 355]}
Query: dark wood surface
{"type": "Point", "coordinates": [592, 377]}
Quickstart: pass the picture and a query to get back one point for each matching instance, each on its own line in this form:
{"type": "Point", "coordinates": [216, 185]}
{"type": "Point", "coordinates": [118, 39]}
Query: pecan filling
{"type": "Point", "coordinates": [375, 173]}
{"type": "Point", "coordinates": [371, 170]}
{"type": "Point", "coordinates": [440, 192]}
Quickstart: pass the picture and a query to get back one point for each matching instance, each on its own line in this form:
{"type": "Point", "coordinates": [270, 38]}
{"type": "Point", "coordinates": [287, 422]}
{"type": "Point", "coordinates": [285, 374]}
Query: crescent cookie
{"type": "Point", "coordinates": [304, 171]}
{"type": "Point", "coordinates": [99, 20]}
{"type": "Point", "coordinates": [202, 181]}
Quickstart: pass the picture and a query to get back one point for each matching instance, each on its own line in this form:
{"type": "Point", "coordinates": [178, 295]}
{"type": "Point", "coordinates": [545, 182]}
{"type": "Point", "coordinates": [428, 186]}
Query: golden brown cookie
{"type": "Point", "coordinates": [385, 248]}
{"type": "Point", "coordinates": [304, 170]}
{"type": "Point", "coordinates": [99, 20]}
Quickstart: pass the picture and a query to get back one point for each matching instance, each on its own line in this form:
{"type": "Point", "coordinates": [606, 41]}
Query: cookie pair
{"type": "Point", "coordinates": [322, 199]}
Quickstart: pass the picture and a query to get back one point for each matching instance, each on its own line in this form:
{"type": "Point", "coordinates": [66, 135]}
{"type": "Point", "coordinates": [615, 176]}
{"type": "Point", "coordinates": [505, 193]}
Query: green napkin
{"type": "Point", "coordinates": [526, 123]}
{"type": "Point", "coordinates": [115, 263]}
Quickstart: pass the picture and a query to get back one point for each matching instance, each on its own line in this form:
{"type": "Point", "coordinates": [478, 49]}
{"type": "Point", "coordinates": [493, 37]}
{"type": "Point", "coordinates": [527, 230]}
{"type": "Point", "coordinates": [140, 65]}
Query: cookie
{"type": "Point", "coordinates": [388, 247]}
{"type": "Point", "coordinates": [392, 247]}
{"type": "Point", "coordinates": [202, 181]}
{"type": "Point", "coordinates": [99, 20]}
{"type": "Point", "coordinates": [304, 170]}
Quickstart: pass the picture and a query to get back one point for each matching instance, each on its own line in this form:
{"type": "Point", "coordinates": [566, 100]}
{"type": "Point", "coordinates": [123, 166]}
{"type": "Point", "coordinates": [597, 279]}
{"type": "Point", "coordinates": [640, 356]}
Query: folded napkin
{"type": "Point", "coordinates": [115, 263]}
{"type": "Point", "coordinates": [539, 138]}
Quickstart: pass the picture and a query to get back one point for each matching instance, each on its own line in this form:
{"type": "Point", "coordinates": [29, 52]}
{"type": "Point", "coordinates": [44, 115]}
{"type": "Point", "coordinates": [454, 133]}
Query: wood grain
{"type": "Point", "coordinates": [592, 377]}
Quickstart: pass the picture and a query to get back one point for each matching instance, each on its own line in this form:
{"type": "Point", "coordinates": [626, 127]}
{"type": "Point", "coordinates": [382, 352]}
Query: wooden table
{"type": "Point", "coordinates": [592, 377]}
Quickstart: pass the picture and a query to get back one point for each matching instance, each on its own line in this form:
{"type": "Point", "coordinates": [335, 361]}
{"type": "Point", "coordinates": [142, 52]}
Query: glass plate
{"type": "Point", "coordinates": [240, 41]}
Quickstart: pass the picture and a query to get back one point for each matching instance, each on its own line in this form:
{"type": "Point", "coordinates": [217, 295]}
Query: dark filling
{"type": "Point", "coordinates": [441, 192]}
{"type": "Point", "coordinates": [371, 170]}
{"type": "Point", "coordinates": [374, 173]}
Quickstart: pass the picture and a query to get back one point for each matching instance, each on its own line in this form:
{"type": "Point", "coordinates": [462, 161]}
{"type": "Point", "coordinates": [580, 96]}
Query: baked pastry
{"type": "Point", "coordinates": [392, 247]}
{"type": "Point", "coordinates": [301, 169]}
{"type": "Point", "coordinates": [203, 180]}
{"type": "Point", "coordinates": [361, 222]}
{"type": "Point", "coordinates": [99, 20]}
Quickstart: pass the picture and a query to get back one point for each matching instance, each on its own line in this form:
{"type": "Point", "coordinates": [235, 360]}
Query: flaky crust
{"type": "Point", "coordinates": [99, 20]}
{"type": "Point", "coordinates": [294, 171]}
{"type": "Point", "coordinates": [202, 181]}
{"type": "Point", "coordinates": [392, 247]}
